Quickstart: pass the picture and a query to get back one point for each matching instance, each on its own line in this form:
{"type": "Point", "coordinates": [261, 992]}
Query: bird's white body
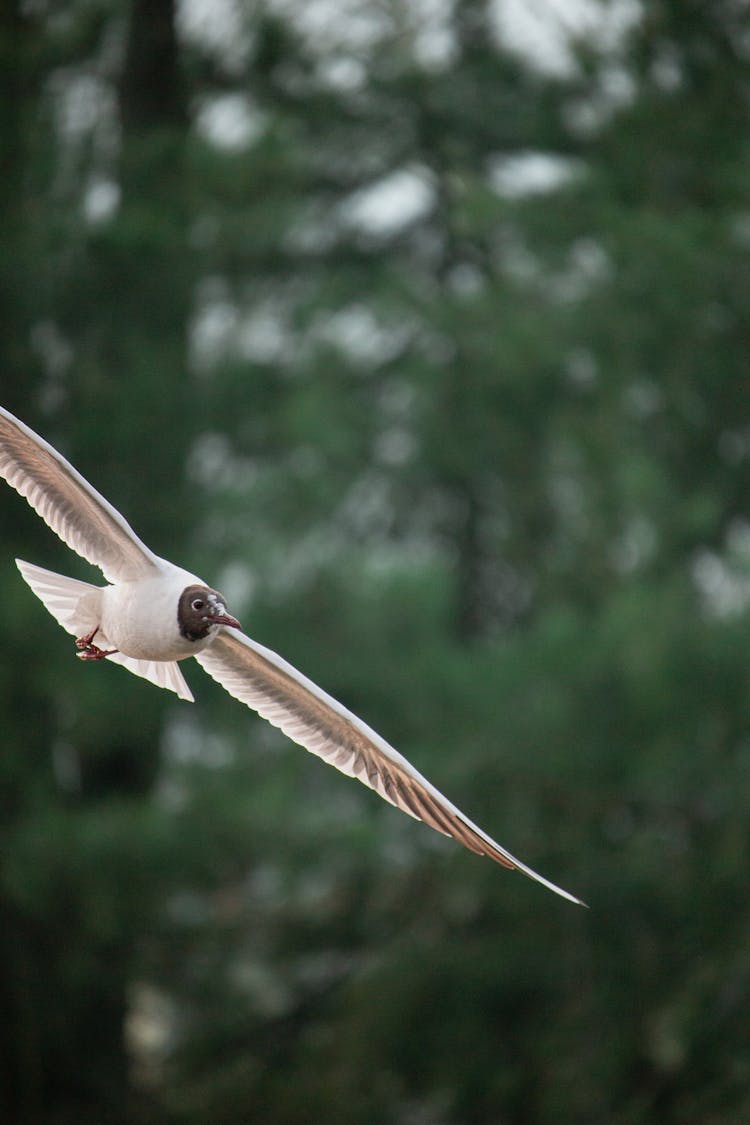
{"type": "Point", "coordinates": [139, 618]}
{"type": "Point", "coordinates": [154, 614]}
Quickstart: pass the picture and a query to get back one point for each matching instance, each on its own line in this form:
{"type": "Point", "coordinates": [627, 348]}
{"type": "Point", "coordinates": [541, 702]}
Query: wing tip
{"type": "Point", "coordinates": [551, 886]}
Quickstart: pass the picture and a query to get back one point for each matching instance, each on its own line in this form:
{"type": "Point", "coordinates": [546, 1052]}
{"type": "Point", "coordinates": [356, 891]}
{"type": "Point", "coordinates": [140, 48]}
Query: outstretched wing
{"type": "Point", "coordinates": [67, 503]}
{"type": "Point", "coordinates": [286, 698]}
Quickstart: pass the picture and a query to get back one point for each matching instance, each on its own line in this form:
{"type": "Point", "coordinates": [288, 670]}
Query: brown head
{"type": "Point", "coordinates": [200, 608]}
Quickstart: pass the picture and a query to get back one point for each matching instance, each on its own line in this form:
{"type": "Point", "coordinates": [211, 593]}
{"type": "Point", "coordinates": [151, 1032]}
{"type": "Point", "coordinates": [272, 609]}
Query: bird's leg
{"type": "Point", "coordinates": [84, 642]}
{"type": "Point", "coordinates": [89, 651]}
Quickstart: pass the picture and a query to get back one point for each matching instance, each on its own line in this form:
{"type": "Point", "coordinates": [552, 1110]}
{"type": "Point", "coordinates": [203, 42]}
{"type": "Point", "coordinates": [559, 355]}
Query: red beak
{"type": "Point", "coordinates": [224, 619]}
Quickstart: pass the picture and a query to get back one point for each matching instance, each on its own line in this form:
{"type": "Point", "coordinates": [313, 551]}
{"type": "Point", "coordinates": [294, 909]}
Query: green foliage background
{"type": "Point", "coordinates": [479, 465]}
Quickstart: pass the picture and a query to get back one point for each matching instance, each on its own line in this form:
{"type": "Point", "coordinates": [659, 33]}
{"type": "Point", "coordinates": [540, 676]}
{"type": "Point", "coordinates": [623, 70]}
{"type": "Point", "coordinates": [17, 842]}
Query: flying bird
{"type": "Point", "coordinates": [153, 614]}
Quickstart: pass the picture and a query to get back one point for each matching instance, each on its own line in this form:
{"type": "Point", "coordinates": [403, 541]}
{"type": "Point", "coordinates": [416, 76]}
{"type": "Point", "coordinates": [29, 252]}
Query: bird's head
{"type": "Point", "coordinates": [199, 609]}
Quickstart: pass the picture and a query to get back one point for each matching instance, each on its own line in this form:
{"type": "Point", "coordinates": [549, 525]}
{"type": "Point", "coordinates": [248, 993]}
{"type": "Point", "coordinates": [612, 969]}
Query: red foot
{"type": "Point", "coordinates": [89, 651]}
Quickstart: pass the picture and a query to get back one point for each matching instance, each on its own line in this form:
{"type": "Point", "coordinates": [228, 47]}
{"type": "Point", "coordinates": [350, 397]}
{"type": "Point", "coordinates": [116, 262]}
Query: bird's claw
{"type": "Point", "coordinates": [89, 651]}
{"type": "Point", "coordinates": [93, 652]}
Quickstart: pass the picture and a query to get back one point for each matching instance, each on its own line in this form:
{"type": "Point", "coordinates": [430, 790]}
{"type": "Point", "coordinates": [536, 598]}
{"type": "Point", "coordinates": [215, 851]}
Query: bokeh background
{"type": "Point", "coordinates": [420, 328]}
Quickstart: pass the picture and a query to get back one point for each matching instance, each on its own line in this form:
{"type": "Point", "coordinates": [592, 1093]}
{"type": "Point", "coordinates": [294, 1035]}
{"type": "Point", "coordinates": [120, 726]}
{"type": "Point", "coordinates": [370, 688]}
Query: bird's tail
{"type": "Point", "coordinates": [74, 605]}
{"type": "Point", "coordinates": [77, 607]}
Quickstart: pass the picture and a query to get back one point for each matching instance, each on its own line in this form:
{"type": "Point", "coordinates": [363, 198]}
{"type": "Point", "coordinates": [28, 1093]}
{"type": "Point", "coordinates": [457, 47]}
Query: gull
{"type": "Point", "coordinates": [153, 614]}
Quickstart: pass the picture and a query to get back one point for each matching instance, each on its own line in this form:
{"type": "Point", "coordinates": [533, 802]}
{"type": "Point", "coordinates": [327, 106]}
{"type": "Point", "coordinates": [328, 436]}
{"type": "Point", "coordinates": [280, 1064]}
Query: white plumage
{"type": "Point", "coordinates": [139, 615]}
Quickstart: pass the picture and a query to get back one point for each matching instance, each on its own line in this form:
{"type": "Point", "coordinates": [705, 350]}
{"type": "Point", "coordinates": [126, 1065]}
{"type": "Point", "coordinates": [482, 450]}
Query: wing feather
{"type": "Point", "coordinates": [308, 715]}
{"type": "Point", "coordinates": [68, 504]}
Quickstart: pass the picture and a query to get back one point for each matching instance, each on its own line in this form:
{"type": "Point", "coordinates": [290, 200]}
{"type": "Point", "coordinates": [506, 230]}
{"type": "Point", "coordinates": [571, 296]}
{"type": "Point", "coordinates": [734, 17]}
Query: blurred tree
{"type": "Point", "coordinates": [440, 357]}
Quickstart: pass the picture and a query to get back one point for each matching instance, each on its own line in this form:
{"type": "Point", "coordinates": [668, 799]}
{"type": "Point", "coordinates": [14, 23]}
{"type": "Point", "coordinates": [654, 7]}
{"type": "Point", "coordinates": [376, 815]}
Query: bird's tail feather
{"type": "Point", "coordinates": [76, 606]}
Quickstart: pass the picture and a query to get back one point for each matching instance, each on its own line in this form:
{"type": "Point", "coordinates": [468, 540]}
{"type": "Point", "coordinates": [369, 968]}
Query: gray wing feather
{"type": "Point", "coordinates": [308, 715]}
{"type": "Point", "coordinates": [67, 503]}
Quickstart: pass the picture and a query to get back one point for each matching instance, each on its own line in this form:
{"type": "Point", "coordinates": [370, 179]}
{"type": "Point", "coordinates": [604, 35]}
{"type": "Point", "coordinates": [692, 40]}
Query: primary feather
{"type": "Point", "coordinates": [67, 503]}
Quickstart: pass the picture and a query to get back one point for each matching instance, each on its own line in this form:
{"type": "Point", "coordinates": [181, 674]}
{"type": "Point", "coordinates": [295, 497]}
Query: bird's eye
{"type": "Point", "coordinates": [198, 603]}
